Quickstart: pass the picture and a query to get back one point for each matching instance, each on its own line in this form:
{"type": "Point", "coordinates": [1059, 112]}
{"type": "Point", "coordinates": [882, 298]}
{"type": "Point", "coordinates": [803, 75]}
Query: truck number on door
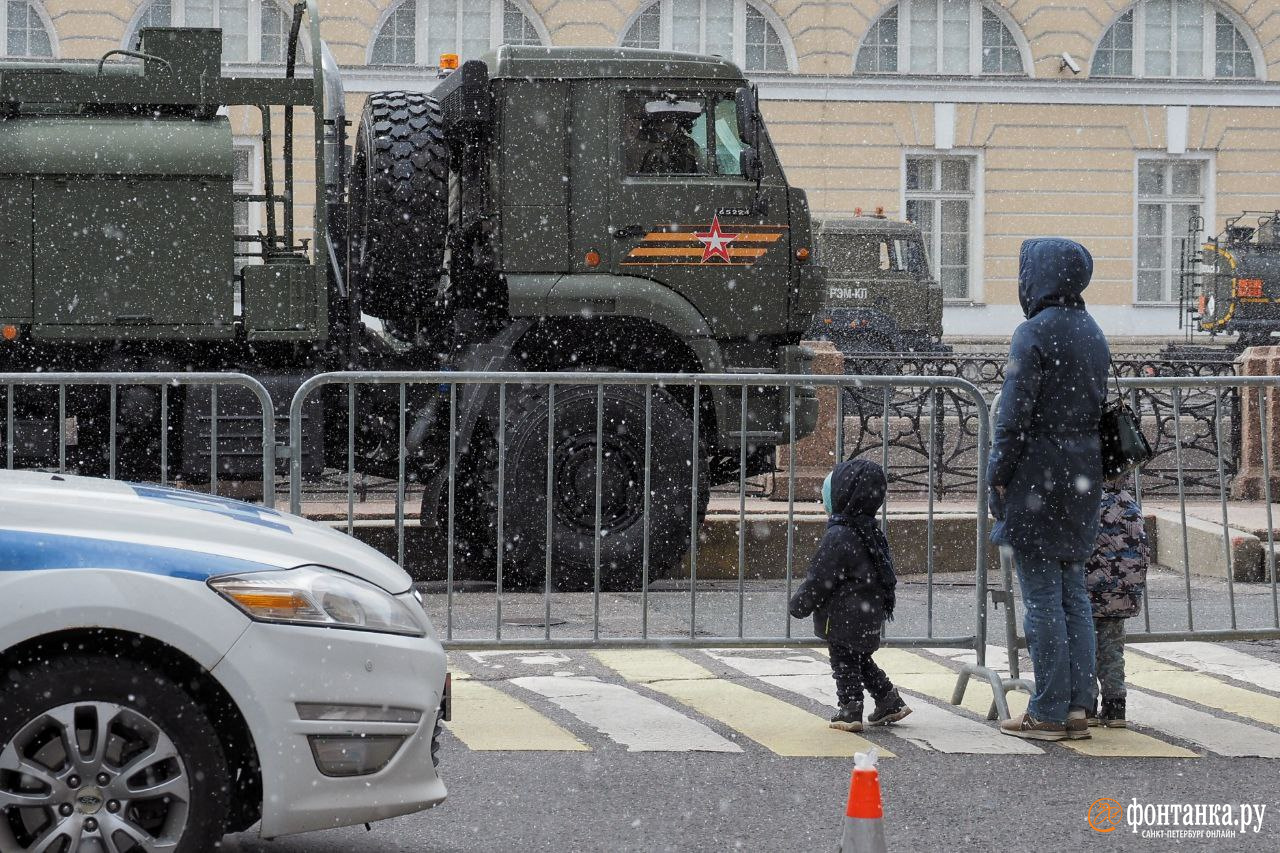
{"type": "Point", "coordinates": [859, 293]}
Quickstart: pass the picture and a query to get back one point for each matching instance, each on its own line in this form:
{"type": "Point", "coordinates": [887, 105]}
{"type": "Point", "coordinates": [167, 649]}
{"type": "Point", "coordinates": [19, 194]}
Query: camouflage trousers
{"type": "Point", "coordinates": [1109, 634]}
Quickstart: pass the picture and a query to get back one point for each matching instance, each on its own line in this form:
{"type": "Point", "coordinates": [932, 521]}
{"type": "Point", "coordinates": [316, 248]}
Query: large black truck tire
{"type": "Point", "coordinates": [573, 513]}
{"type": "Point", "coordinates": [399, 206]}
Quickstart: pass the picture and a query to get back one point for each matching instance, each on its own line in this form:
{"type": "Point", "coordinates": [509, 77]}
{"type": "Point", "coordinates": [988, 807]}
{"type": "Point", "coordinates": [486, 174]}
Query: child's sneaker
{"type": "Point", "coordinates": [1112, 714]}
{"type": "Point", "coordinates": [890, 709]}
{"type": "Point", "coordinates": [848, 718]}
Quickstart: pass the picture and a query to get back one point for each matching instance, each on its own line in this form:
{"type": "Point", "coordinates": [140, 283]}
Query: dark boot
{"type": "Point", "coordinates": [1112, 714]}
{"type": "Point", "coordinates": [889, 709]}
{"type": "Point", "coordinates": [848, 718]}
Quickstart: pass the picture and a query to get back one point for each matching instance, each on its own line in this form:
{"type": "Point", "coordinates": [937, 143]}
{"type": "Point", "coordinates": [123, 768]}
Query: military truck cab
{"type": "Point", "coordinates": [880, 295]}
{"type": "Point", "coordinates": [627, 203]}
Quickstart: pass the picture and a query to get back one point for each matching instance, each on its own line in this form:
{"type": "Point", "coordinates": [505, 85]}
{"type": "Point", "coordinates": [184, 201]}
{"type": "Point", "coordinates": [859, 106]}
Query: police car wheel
{"type": "Point", "coordinates": [103, 753]}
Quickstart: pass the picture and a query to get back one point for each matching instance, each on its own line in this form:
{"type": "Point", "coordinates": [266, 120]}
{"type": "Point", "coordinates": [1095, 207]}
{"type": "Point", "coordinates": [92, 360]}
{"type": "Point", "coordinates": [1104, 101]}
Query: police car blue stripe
{"type": "Point", "coordinates": [25, 551]}
{"type": "Point", "coordinates": [225, 507]}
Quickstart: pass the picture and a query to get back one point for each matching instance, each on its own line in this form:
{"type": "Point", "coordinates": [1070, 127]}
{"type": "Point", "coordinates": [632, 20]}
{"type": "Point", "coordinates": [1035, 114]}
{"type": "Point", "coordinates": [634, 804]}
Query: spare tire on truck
{"type": "Point", "coordinates": [399, 207]}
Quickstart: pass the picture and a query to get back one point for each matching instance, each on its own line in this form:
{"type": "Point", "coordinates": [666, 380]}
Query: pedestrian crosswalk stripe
{"type": "Point", "coordinates": [1224, 737]}
{"type": "Point", "coordinates": [1126, 743]}
{"type": "Point", "coordinates": [645, 665]}
{"type": "Point", "coordinates": [776, 725]}
{"type": "Point", "coordinates": [639, 723]}
{"type": "Point", "coordinates": [1219, 660]}
{"type": "Point", "coordinates": [928, 726]}
{"type": "Point", "coordinates": [487, 719]}
{"type": "Point", "coordinates": [1164, 677]}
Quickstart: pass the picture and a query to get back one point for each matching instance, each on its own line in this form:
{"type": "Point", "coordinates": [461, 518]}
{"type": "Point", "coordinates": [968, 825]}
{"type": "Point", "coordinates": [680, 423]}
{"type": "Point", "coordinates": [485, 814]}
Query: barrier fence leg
{"type": "Point", "coordinates": [999, 700]}
{"type": "Point", "coordinates": [1000, 685]}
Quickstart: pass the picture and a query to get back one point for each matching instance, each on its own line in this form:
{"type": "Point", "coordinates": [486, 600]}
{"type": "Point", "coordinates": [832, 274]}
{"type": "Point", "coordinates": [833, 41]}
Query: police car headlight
{"type": "Point", "coordinates": [316, 596]}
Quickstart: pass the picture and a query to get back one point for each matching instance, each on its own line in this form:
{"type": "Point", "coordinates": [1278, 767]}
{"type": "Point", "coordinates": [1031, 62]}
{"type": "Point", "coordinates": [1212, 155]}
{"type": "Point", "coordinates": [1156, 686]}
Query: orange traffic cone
{"type": "Point", "coordinates": [863, 818]}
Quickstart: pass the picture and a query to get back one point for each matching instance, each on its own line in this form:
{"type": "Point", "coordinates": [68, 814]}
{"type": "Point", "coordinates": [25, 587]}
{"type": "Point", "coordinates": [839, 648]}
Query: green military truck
{"type": "Point", "coordinates": [880, 295]}
{"type": "Point", "coordinates": [542, 209]}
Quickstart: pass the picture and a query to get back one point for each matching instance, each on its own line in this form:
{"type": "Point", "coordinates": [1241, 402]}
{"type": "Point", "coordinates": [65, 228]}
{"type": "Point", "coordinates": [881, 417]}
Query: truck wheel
{"type": "Point", "coordinates": [106, 753]}
{"type": "Point", "coordinates": [399, 205]}
{"type": "Point", "coordinates": [622, 489]}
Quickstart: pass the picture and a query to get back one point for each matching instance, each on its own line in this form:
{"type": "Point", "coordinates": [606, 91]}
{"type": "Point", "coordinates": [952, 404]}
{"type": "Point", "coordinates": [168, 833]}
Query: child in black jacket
{"type": "Point", "coordinates": [850, 592]}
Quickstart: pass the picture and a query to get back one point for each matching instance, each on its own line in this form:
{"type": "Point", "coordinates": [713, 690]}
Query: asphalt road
{"type": "Point", "coordinates": [607, 798]}
{"type": "Point", "coordinates": [643, 802]}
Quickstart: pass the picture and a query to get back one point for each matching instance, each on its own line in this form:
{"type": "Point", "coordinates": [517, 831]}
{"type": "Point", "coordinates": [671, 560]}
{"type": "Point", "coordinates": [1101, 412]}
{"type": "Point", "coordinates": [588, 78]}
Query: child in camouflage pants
{"type": "Point", "coordinates": [1116, 575]}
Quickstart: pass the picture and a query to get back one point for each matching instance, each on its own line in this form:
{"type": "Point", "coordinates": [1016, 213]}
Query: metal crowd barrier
{"type": "Point", "coordinates": [736, 386]}
{"type": "Point", "coordinates": [164, 382]}
{"type": "Point", "coordinates": [1234, 624]}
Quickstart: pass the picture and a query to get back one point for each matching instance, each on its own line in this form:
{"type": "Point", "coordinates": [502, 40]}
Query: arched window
{"type": "Point", "coordinates": [418, 31]}
{"type": "Point", "coordinates": [252, 30]}
{"type": "Point", "coordinates": [735, 29]}
{"type": "Point", "coordinates": [940, 37]}
{"type": "Point", "coordinates": [25, 30]}
{"type": "Point", "coordinates": [1175, 38]}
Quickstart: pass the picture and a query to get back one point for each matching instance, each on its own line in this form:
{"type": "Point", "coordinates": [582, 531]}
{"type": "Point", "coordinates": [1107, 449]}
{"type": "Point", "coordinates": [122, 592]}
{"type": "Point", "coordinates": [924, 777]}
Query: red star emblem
{"type": "Point", "coordinates": [715, 243]}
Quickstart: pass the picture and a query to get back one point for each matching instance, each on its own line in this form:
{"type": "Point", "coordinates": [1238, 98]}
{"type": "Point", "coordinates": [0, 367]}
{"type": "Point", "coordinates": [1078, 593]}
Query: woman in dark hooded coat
{"type": "Point", "coordinates": [1045, 474]}
{"type": "Point", "coordinates": [850, 592]}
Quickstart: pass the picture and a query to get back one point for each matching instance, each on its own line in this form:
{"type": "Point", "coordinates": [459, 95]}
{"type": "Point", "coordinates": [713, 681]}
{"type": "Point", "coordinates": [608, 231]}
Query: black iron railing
{"type": "Point", "coordinates": [932, 433]}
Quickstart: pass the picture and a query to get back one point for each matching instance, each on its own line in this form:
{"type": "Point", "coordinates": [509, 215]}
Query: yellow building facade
{"type": "Point", "coordinates": [1112, 122]}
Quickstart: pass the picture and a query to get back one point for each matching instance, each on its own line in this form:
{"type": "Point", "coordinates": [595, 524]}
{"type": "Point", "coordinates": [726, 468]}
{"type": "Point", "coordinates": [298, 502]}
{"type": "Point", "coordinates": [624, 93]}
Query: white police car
{"type": "Point", "coordinates": [174, 666]}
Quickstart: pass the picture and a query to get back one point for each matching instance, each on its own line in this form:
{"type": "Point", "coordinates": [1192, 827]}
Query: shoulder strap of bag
{"type": "Point", "coordinates": [1115, 372]}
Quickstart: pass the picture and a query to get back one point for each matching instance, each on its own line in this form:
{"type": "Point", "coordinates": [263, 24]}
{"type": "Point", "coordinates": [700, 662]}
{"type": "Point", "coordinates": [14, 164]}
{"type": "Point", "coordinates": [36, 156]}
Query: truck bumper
{"type": "Point", "coordinates": [769, 407]}
{"type": "Point", "coordinates": [793, 361]}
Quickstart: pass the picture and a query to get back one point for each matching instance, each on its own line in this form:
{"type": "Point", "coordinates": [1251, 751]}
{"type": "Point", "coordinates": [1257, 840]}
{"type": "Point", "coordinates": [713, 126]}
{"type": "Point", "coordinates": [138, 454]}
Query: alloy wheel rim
{"type": "Point", "coordinates": [92, 776]}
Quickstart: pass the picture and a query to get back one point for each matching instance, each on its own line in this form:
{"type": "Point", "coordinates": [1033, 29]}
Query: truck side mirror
{"type": "Point", "coordinates": [749, 162]}
{"type": "Point", "coordinates": [747, 103]}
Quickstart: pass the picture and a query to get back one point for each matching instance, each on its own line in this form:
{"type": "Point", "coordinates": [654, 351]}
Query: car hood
{"type": "Point", "coordinates": [61, 521]}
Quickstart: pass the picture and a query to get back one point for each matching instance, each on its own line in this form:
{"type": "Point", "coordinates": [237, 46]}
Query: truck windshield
{"type": "Point", "coordinates": [864, 254]}
{"type": "Point", "coordinates": [681, 134]}
{"type": "Point", "coordinates": [917, 262]}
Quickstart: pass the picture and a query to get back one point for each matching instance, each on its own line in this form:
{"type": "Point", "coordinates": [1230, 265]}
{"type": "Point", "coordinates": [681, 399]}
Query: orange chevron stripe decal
{"type": "Point", "coordinates": [697, 245]}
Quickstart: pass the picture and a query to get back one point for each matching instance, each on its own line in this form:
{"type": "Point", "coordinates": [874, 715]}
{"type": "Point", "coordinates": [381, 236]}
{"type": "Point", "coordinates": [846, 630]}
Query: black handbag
{"type": "Point", "coordinates": [1124, 447]}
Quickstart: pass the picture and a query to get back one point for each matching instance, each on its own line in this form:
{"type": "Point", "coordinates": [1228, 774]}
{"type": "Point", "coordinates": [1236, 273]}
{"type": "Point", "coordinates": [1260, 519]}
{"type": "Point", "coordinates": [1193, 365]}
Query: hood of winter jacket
{"type": "Point", "coordinates": [1052, 271]}
{"type": "Point", "coordinates": [857, 488]}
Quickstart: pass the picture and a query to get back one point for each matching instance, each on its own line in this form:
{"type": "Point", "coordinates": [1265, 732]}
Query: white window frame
{"type": "Point", "coordinates": [1208, 212]}
{"type": "Point", "coordinates": [977, 217]}
{"type": "Point", "coordinates": [976, 8]}
{"type": "Point", "coordinates": [44, 19]}
{"type": "Point", "coordinates": [739, 30]}
{"type": "Point", "coordinates": [255, 27]}
{"type": "Point", "coordinates": [255, 183]}
{"type": "Point", "coordinates": [1208, 47]}
{"type": "Point", "coordinates": [422, 18]}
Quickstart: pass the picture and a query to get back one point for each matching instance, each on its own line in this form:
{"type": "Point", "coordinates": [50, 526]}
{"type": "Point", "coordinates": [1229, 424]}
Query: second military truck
{"type": "Point", "coordinates": [880, 296]}
{"type": "Point", "coordinates": [543, 209]}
